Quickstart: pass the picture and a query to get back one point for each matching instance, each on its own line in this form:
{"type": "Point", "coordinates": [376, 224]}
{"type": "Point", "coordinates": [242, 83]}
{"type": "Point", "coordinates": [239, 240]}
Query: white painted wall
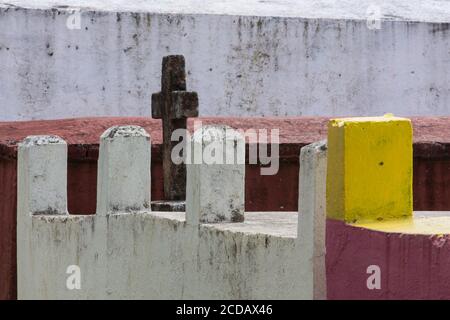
{"type": "Point", "coordinates": [245, 58]}
{"type": "Point", "coordinates": [126, 252]}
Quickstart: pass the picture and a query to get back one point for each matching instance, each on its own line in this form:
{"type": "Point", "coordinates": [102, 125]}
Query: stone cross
{"type": "Point", "coordinates": [173, 105]}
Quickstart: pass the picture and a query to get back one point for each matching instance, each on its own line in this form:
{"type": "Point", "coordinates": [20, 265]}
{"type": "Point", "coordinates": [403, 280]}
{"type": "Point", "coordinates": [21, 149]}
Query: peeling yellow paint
{"type": "Point", "coordinates": [369, 175]}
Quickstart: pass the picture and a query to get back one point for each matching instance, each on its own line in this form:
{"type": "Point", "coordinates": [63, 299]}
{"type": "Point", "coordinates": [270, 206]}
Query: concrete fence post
{"type": "Point", "coordinates": [42, 175]}
{"type": "Point", "coordinates": [123, 183]}
{"type": "Point", "coordinates": [215, 176]}
{"type": "Point", "coordinates": [312, 213]}
{"type": "Point", "coordinates": [41, 190]}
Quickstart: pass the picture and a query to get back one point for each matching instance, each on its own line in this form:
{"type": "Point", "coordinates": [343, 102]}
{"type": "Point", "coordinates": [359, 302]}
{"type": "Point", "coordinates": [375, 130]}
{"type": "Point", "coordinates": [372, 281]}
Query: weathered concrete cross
{"type": "Point", "coordinates": [173, 105]}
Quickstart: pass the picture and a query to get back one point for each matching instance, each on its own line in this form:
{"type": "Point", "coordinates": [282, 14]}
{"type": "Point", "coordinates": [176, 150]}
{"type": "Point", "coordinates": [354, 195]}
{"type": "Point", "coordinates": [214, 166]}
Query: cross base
{"type": "Point", "coordinates": [170, 206]}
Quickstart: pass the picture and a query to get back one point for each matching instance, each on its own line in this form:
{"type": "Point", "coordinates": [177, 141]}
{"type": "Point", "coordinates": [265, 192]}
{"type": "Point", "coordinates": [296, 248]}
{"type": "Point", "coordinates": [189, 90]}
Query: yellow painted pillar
{"type": "Point", "coordinates": [369, 172]}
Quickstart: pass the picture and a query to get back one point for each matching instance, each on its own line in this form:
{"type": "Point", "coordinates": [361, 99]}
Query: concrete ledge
{"type": "Point", "coordinates": [433, 223]}
{"type": "Point", "coordinates": [431, 135]}
{"type": "Point", "coordinates": [276, 223]}
{"type": "Point", "coordinates": [157, 256]}
{"type": "Point", "coordinates": [401, 10]}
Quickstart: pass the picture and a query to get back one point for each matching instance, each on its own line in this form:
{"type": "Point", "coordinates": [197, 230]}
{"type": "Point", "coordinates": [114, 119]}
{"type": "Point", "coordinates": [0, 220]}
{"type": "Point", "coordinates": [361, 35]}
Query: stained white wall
{"type": "Point", "coordinates": [244, 58]}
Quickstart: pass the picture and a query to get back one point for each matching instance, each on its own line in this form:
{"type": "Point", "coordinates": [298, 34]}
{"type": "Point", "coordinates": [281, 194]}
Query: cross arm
{"type": "Point", "coordinates": [184, 104]}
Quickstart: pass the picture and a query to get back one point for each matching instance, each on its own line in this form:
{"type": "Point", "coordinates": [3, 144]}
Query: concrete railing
{"type": "Point", "coordinates": [215, 250]}
{"type": "Point", "coordinates": [361, 179]}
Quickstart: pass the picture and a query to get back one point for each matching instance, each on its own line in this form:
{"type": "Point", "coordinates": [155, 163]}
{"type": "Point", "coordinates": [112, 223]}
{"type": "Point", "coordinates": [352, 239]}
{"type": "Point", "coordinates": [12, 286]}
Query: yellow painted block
{"type": "Point", "coordinates": [369, 173]}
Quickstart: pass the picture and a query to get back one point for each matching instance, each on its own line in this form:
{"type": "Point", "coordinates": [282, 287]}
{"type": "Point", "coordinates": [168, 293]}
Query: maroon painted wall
{"type": "Point", "coordinates": [263, 193]}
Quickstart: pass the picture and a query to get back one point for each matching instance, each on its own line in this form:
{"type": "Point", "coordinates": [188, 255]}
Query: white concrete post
{"type": "Point", "coordinates": [123, 182]}
{"type": "Point", "coordinates": [41, 190]}
{"type": "Point", "coordinates": [312, 213]}
{"type": "Point", "coordinates": [215, 176]}
{"type": "Point", "coordinates": [42, 175]}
